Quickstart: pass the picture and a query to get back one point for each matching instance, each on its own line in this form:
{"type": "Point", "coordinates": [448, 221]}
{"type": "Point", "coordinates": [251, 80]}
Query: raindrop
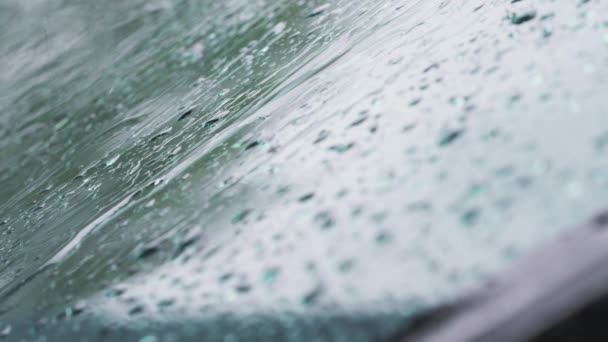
{"type": "Point", "coordinates": [522, 16]}
{"type": "Point", "coordinates": [474, 191]}
{"type": "Point", "coordinates": [322, 136]}
{"type": "Point", "coordinates": [382, 238]}
{"type": "Point", "coordinates": [415, 102]}
{"type": "Point", "coordinates": [79, 307]}
{"type": "Point", "coordinates": [449, 136]}
{"type": "Point", "coordinates": [6, 331]}
{"type": "Point", "coordinates": [211, 122]}
{"type": "Point", "coordinates": [185, 243]}
{"type": "Point", "coordinates": [270, 275]}
{"type": "Point", "coordinates": [115, 292]}
{"type": "Point", "coordinates": [318, 10]}
{"type": "Point", "coordinates": [306, 197]}
{"type": "Point", "coordinates": [225, 277]}
{"type": "Point", "coordinates": [243, 288]}
{"type": "Point", "coordinates": [346, 265]}
{"type": "Point", "coordinates": [186, 114]}
{"type": "Point", "coordinates": [254, 144]}
{"type": "Point", "coordinates": [358, 121]}
{"type": "Point", "coordinates": [165, 303]}
{"type": "Point", "coordinates": [470, 217]}
{"type": "Point", "coordinates": [325, 220]}
{"type": "Point", "coordinates": [341, 148]}
{"type": "Point", "coordinates": [162, 134]}
{"type": "Point", "coordinates": [136, 310]}
{"type": "Point", "coordinates": [240, 217]}
{"type": "Point", "coordinates": [278, 28]}
{"type": "Point", "coordinates": [112, 160]}
{"type": "Point", "coordinates": [148, 338]}
{"type": "Point", "coordinates": [147, 251]}
{"type": "Point", "coordinates": [312, 297]}
{"type": "Point", "coordinates": [601, 142]}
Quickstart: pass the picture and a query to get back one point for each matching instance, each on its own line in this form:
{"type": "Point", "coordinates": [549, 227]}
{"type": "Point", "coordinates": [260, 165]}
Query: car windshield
{"type": "Point", "coordinates": [278, 170]}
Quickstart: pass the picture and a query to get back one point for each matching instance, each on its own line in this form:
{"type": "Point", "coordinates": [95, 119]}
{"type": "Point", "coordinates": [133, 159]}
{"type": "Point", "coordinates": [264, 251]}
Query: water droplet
{"type": "Point", "coordinates": [136, 310]}
{"type": "Point", "coordinates": [490, 135]}
{"type": "Point", "coordinates": [240, 217]}
{"type": "Point", "coordinates": [346, 265]}
{"type": "Point", "coordinates": [270, 275]}
{"type": "Point", "coordinates": [225, 277]}
{"type": "Point", "coordinates": [458, 101]}
{"type": "Point", "coordinates": [383, 238]}
{"type": "Point", "coordinates": [211, 122]}
{"type": "Point", "coordinates": [165, 303]}
{"type": "Point", "coordinates": [306, 197]}
{"type": "Point", "coordinates": [341, 148]}
{"type": "Point", "coordinates": [59, 125]}
{"type": "Point", "coordinates": [449, 136]}
{"type": "Point", "coordinates": [474, 191]}
{"type": "Point", "coordinates": [470, 217]}
{"type": "Point", "coordinates": [312, 297]}
{"type": "Point", "coordinates": [112, 160]}
{"type": "Point", "coordinates": [79, 307]}
{"type": "Point", "coordinates": [185, 242]}
{"type": "Point", "coordinates": [255, 143]}
{"type": "Point", "coordinates": [148, 338]}
{"type": "Point", "coordinates": [186, 114]}
{"type": "Point", "coordinates": [161, 134]}
{"type": "Point", "coordinates": [322, 136]}
{"type": "Point", "coordinates": [243, 288]}
{"type": "Point", "coordinates": [6, 331]}
{"type": "Point", "coordinates": [318, 10]}
{"type": "Point", "coordinates": [278, 28]}
{"type": "Point", "coordinates": [147, 251]}
{"type": "Point", "coordinates": [325, 220]}
{"type": "Point", "coordinates": [176, 150]}
{"type": "Point", "coordinates": [282, 190]}
{"type": "Point", "coordinates": [601, 142]}
{"type": "Point", "coordinates": [358, 121]}
{"type": "Point", "coordinates": [522, 16]}
{"type": "Point", "coordinates": [115, 292]}
{"type": "Point", "coordinates": [415, 102]}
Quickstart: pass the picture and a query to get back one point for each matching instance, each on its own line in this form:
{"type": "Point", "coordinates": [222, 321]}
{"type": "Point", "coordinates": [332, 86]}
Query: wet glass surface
{"type": "Point", "coordinates": [285, 170]}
